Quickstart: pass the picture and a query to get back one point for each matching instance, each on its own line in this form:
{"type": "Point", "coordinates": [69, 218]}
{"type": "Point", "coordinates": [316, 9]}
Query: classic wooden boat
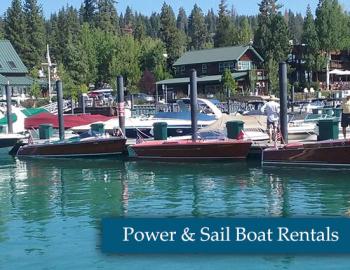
{"type": "Point", "coordinates": [192, 150]}
{"type": "Point", "coordinates": [91, 146]}
{"type": "Point", "coordinates": [323, 153]}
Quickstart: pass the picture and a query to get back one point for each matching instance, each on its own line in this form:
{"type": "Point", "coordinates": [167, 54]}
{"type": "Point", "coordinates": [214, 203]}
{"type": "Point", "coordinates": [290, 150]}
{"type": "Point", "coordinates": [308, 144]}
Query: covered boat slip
{"type": "Point", "coordinates": [325, 153]}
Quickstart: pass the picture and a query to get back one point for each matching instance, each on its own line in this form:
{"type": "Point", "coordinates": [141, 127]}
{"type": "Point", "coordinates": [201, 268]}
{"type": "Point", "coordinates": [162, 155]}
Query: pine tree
{"type": "Point", "coordinates": [210, 21]}
{"type": "Point", "coordinates": [106, 16]}
{"type": "Point", "coordinates": [245, 33]}
{"type": "Point", "coordinates": [225, 33]}
{"type": "Point", "coordinates": [229, 84]}
{"type": "Point", "coordinates": [155, 25]}
{"type": "Point", "coordinates": [15, 28]}
{"type": "Point", "coordinates": [89, 8]}
{"type": "Point", "coordinates": [197, 30]}
{"type": "Point", "coordinates": [129, 18]}
{"type": "Point", "coordinates": [170, 35]}
{"type": "Point", "coordinates": [182, 20]}
{"type": "Point", "coordinates": [35, 33]}
{"type": "Point", "coordinates": [271, 39]}
{"type": "Point", "coordinates": [2, 30]}
{"type": "Point", "coordinates": [311, 43]}
{"type": "Point", "coordinates": [139, 29]}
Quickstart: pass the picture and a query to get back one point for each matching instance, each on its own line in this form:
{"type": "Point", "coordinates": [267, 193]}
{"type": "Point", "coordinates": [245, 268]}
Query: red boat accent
{"type": "Point", "coordinates": [69, 120]}
{"type": "Point", "coordinates": [332, 152]}
{"type": "Point", "coordinates": [87, 147]}
{"type": "Point", "coordinates": [187, 149]}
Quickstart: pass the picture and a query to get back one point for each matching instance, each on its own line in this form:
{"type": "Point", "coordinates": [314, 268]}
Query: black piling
{"type": "Point", "coordinates": [283, 84]}
{"type": "Point", "coordinates": [59, 90]}
{"type": "Point", "coordinates": [228, 100]}
{"type": "Point", "coordinates": [292, 97]}
{"type": "Point", "coordinates": [194, 103]}
{"type": "Point", "coordinates": [82, 102]}
{"type": "Point", "coordinates": [9, 109]}
{"type": "Point", "coordinates": [121, 103]}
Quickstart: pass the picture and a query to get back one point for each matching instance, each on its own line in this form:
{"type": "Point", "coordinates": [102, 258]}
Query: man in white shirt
{"type": "Point", "coordinates": [272, 111]}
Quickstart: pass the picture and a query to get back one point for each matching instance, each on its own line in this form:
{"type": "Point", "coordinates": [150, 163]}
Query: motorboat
{"type": "Point", "coordinates": [179, 123]}
{"type": "Point", "coordinates": [180, 150]}
{"type": "Point", "coordinates": [85, 145]}
{"type": "Point", "coordinates": [322, 153]}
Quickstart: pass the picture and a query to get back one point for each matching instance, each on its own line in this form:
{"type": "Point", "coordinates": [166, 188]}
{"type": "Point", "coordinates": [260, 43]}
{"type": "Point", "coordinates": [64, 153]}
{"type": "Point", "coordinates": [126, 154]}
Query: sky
{"type": "Point", "coordinates": [246, 7]}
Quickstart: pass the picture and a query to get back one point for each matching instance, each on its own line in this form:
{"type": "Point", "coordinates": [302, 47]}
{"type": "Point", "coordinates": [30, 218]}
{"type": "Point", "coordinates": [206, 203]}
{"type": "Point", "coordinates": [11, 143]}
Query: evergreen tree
{"type": "Point", "coordinates": [313, 60]}
{"type": "Point", "coordinates": [245, 33]}
{"type": "Point", "coordinates": [229, 84]}
{"type": "Point", "coordinates": [35, 33]}
{"type": "Point", "coordinates": [182, 20]}
{"type": "Point", "coordinates": [155, 25]}
{"type": "Point", "coordinates": [271, 39]}
{"type": "Point", "coordinates": [15, 28]}
{"type": "Point", "coordinates": [197, 30]}
{"type": "Point", "coordinates": [210, 21]}
{"type": "Point", "coordinates": [129, 18]}
{"type": "Point", "coordinates": [295, 26]}
{"type": "Point", "coordinates": [225, 33]}
{"type": "Point", "coordinates": [170, 35]}
{"type": "Point", "coordinates": [106, 16]}
{"type": "Point", "coordinates": [88, 12]}
{"type": "Point", "coordinates": [330, 21]}
{"type": "Point", "coordinates": [2, 30]}
{"type": "Point", "coordinates": [139, 29]}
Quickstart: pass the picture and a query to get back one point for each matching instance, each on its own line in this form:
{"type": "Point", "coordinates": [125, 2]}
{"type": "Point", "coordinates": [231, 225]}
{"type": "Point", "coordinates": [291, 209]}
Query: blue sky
{"type": "Point", "coordinates": [246, 7]}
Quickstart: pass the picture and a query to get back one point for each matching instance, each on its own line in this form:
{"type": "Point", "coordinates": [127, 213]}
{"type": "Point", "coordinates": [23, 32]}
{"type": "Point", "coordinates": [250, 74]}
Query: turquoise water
{"type": "Point", "coordinates": [50, 210]}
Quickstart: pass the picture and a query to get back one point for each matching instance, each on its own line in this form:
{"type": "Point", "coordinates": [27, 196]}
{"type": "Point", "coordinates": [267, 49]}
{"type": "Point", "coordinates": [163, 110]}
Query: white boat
{"type": "Point", "coordinates": [179, 123]}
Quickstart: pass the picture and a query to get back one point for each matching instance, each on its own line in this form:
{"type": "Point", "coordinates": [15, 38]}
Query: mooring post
{"type": "Point", "coordinates": [60, 109]}
{"type": "Point", "coordinates": [228, 101]}
{"type": "Point", "coordinates": [121, 103]}
{"type": "Point", "coordinates": [8, 108]}
{"type": "Point", "coordinates": [194, 103]}
{"type": "Point", "coordinates": [292, 97]}
{"type": "Point", "coordinates": [82, 102]}
{"type": "Point", "coordinates": [283, 82]}
{"type": "Point", "coordinates": [72, 104]}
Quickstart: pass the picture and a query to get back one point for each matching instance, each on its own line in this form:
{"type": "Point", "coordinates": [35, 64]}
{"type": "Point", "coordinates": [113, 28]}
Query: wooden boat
{"type": "Point", "coordinates": [192, 150]}
{"type": "Point", "coordinates": [323, 153]}
{"type": "Point", "coordinates": [87, 147]}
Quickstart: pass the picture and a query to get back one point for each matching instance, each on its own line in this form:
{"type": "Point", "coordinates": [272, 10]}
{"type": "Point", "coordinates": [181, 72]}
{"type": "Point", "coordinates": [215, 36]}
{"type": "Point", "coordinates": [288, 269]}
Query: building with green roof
{"type": "Point", "coordinates": [13, 71]}
{"type": "Point", "coordinates": [243, 62]}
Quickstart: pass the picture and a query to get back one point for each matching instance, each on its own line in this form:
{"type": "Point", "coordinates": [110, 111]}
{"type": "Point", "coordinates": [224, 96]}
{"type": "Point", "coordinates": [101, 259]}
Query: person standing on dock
{"type": "Point", "coordinates": [345, 116]}
{"type": "Point", "coordinates": [272, 111]}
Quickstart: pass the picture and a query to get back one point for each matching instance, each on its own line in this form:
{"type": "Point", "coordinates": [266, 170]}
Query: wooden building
{"type": "Point", "coordinates": [244, 62]}
{"type": "Point", "coordinates": [13, 72]}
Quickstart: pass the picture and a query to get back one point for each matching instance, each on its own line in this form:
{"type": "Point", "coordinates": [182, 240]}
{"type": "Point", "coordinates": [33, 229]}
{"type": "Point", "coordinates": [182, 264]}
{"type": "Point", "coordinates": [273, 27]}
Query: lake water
{"type": "Point", "coordinates": [50, 210]}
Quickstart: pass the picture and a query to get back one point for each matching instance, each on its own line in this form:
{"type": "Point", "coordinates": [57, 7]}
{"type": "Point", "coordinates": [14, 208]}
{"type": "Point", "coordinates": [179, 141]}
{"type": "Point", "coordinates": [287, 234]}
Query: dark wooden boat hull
{"type": "Point", "coordinates": [87, 148]}
{"type": "Point", "coordinates": [187, 150]}
{"type": "Point", "coordinates": [8, 142]}
{"type": "Point", "coordinates": [333, 153]}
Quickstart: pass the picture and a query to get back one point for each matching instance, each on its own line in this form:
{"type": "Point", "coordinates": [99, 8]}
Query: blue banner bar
{"type": "Point", "coordinates": [226, 235]}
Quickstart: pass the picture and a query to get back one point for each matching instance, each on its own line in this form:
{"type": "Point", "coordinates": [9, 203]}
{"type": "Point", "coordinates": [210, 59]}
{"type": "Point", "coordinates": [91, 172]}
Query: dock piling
{"type": "Point", "coordinates": [283, 82]}
{"type": "Point", "coordinates": [60, 109]}
{"type": "Point", "coordinates": [8, 109]}
{"type": "Point", "coordinates": [194, 103]}
{"type": "Point", "coordinates": [121, 103]}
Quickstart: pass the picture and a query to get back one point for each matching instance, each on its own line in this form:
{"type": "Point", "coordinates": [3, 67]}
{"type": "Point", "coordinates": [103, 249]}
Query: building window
{"type": "Point", "coordinates": [204, 68]}
{"type": "Point", "coordinates": [226, 65]}
{"type": "Point", "coordinates": [183, 70]}
{"type": "Point", "coordinates": [12, 64]}
{"type": "Point", "coordinates": [244, 65]}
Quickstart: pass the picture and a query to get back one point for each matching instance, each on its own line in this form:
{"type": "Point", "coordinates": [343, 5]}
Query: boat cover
{"type": "Point", "coordinates": [69, 120]}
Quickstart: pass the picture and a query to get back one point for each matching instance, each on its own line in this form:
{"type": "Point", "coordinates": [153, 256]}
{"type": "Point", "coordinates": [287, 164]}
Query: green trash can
{"type": "Point", "coordinates": [234, 128]}
{"type": "Point", "coordinates": [45, 131]}
{"type": "Point", "coordinates": [160, 130]}
{"type": "Point", "coordinates": [328, 129]}
{"type": "Point", "coordinates": [98, 128]}
{"type": "Point", "coordinates": [337, 112]}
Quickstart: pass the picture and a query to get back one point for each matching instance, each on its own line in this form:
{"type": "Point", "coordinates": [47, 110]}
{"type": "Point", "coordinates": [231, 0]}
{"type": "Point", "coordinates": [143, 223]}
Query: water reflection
{"type": "Point", "coordinates": [45, 201]}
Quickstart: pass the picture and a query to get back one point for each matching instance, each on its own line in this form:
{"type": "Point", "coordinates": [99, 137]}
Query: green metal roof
{"type": "Point", "coordinates": [215, 55]}
{"type": "Point", "coordinates": [212, 78]}
{"type": "Point", "coordinates": [16, 81]}
{"type": "Point", "coordinates": [9, 59]}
